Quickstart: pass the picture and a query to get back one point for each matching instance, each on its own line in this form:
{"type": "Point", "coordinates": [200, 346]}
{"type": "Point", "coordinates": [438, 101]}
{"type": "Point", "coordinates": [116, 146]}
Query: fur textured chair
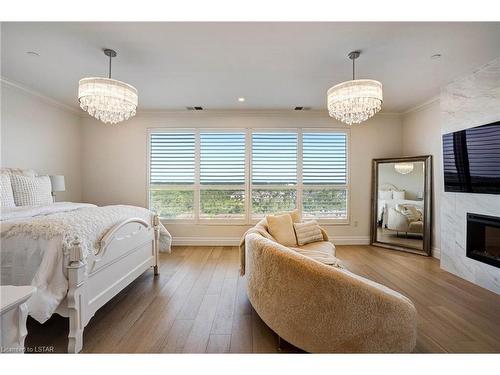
{"type": "Point", "coordinates": [325, 309]}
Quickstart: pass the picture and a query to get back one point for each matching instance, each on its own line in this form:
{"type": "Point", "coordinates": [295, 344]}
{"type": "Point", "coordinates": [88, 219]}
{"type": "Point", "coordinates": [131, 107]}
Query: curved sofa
{"type": "Point", "coordinates": [325, 309]}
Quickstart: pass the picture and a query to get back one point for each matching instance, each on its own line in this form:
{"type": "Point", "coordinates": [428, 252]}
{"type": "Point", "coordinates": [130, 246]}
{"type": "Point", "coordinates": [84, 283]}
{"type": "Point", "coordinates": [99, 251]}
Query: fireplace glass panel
{"type": "Point", "coordinates": [483, 238]}
{"type": "Point", "coordinates": [492, 242]}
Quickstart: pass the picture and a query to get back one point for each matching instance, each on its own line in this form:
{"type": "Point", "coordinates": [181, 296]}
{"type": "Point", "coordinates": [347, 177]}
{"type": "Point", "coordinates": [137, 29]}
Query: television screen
{"type": "Point", "coordinates": [471, 160]}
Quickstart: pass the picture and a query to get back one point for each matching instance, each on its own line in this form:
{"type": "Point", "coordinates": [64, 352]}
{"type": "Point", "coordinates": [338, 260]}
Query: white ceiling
{"type": "Point", "coordinates": [272, 65]}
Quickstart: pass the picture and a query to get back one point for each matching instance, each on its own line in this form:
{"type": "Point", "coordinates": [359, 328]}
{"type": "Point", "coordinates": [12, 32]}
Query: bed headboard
{"type": "Point", "coordinates": [387, 186]}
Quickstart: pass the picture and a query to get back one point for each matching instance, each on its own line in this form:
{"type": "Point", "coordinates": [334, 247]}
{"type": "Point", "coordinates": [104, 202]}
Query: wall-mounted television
{"type": "Point", "coordinates": [471, 160]}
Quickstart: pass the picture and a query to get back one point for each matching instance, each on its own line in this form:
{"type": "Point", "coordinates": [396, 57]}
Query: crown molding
{"type": "Point", "coordinates": [151, 113]}
{"type": "Point", "coordinates": [422, 105]}
{"type": "Point", "coordinates": [39, 95]}
{"type": "Point", "coordinates": [318, 113]}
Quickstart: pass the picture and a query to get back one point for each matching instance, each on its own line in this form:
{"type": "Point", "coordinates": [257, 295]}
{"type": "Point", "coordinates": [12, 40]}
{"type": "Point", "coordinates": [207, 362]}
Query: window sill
{"type": "Point", "coordinates": [244, 223]}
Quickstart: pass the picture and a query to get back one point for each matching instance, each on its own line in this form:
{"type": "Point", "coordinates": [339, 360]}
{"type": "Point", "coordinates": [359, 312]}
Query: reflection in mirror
{"type": "Point", "coordinates": [399, 199]}
{"type": "Point", "coordinates": [400, 203]}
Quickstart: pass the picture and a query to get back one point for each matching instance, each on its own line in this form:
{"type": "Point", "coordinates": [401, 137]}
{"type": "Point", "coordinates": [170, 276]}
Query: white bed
{"type": "Point", "coordinates": [383, 205]}
{"type": "Point", "coordinates": [79, 256]}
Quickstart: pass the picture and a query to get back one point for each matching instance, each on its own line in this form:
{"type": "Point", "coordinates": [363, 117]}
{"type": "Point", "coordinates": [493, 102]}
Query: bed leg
{"type": "Point", "coordinates": [75, 338]}
{"type": "Point", "coordinates": [76, 297]}
{"type": "Point", "coordinates": [156, 245]}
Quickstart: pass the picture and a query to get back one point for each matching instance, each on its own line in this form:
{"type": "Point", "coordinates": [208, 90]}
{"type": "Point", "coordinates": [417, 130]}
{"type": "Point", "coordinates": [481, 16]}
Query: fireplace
{"type": "Point", "coordinates": [483, 238]}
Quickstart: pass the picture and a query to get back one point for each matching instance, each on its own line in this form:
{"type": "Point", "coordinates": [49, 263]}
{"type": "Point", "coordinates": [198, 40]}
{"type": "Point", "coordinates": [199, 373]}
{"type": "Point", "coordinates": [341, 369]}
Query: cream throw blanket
{"type": "Point", "coordinates": [86, 222]}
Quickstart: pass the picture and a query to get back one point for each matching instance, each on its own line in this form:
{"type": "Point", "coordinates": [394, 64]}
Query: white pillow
{"type": "Point", "coordinates": [398, 194]}
{"type": "Point", "coordinates": [31, 191]}
{"type": "Point", "coordinates": [307, 232]}
{"type": "Point", "coordinates": [385, 194]}
{"type": "Point", "coordinates": [19, 171]}
{"type": "Point", "coordinates": [7, 196]}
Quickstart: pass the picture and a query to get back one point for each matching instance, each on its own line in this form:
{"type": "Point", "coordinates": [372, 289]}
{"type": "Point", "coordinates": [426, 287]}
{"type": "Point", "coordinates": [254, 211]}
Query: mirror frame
{"type": "Point", "coordinates": [426, 246]}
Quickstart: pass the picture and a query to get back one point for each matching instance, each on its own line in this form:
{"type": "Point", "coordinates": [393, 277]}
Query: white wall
{"type": "Point", "coordinates": [114, 160]}
{"type": "Point", "coordinates": [421, 134]}
{"type": "Point", "coordinates": [39, 134]}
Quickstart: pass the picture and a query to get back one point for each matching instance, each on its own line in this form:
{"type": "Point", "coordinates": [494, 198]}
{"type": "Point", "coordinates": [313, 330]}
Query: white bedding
{"type": "Point", "coordinates": [384, 205]}
{"type": "Point", "coordinates": [34, 243]}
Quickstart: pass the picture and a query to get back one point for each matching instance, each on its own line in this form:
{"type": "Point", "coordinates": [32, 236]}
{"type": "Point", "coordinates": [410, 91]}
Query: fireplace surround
{"type": "Point", "coordinates": [483, 238]}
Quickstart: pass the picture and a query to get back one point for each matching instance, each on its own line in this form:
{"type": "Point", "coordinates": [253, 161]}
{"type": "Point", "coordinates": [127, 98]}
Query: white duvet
{"type": "Point", "coordinates": [35, 240]}
{"type": "Point", "coordinates": [384, 205]}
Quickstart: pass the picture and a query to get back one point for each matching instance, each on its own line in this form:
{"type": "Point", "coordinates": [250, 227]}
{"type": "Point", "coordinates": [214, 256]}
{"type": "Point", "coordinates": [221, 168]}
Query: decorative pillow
{"type": "Point", "coordinates": [398, 194]}
{"type": "Point", "coordinates": [31, 191]}
{"type": "Point", "coordinates": [385, 194]}
{"type": "Point", "coordinates": [7, 196]}
{"type": "Point", "coordinates": [307, 232]}
{"type": "Point", "coordinates": [410, 211]}
{"type": "Point", "coordinates": [295, 214]}
{"type": "Point", "coordinates": [281, 228]}
{"type": "Point", "coordinates": [420, 213]}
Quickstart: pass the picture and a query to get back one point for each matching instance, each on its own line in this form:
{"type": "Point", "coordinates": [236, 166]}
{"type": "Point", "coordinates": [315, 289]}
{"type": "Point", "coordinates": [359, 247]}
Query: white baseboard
{"type": "Point", "coordinates": [235, 241]}
{"type": "Point", "coordinates": [351, 240]}
{"type": "Point", "coordinates": [206, 241]}
{"type": "Point", "coordinates": [436, 252]}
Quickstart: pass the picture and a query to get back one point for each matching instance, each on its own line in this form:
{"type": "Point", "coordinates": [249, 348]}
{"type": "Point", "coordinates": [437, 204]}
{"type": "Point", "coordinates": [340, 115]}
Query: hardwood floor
{"type": "Point", "coordinates": [199, 304]}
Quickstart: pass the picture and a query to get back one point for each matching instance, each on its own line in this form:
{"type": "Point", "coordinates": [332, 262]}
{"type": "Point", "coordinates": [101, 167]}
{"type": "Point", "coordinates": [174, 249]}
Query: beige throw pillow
{"type": "Point", "coordinates": [295, 214]}
{"type": "Point", "coordinates": [410, 211]}
{"type": "Point", "coordinates": [307, 232]}
{"type": "Point", "coordinates": [281, 228]}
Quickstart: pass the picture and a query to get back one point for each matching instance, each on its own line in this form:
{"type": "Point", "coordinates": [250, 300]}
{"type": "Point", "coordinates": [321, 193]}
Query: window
{"type": "Point", "coordinates": [172, 174]}
{"type": "Point", "coordinates": [274, 172]}
{"type": "Point", "coordinates": [324, 169]}
{"type": "Point", "coordinates": [222, 175]}
{"type": "Point", "coordinates": [239, 176]}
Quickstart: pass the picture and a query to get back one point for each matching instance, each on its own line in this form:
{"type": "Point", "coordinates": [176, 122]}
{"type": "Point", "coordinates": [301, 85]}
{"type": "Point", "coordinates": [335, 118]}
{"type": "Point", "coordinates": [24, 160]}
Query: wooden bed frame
{"type": "Point", "coordinates": [126, 251]}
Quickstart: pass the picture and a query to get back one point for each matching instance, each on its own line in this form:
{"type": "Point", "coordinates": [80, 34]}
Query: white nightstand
{"type": "Point", "coordinates": [13, 311]}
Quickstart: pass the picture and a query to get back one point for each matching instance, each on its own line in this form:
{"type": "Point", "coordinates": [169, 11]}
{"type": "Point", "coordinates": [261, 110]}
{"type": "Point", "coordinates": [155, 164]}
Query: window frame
{"type": "Point", "coordinates": [248, 185]}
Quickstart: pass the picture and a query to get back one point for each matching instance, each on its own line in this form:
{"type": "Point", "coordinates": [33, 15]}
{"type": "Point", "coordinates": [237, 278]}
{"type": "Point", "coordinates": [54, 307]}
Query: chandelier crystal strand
{"type": "Point", "coordinates": [353, 102]}
{"type": "Point", "coordinates": [106, 99]}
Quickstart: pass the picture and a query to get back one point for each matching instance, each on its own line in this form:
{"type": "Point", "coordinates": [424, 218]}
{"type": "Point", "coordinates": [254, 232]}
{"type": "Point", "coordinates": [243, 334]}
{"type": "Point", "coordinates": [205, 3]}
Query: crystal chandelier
{"type": "Point", "coordinates": [107, 99]}
{"type": "Point", "coordinates": [353, 102]}
{"type": "Point", "coordinates": [403, 168]}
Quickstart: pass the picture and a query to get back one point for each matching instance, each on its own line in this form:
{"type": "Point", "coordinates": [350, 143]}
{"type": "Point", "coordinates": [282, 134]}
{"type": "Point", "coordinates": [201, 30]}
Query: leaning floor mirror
{"type": "Point", "coordinates": [401, 204]}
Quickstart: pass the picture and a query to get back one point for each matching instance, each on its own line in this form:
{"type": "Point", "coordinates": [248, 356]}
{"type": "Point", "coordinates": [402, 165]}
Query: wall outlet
{"type": "Point", "coordinates": [356, 223]}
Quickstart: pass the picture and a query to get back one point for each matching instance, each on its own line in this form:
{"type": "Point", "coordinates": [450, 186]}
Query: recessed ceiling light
{"type": "Point", "coordinates": [436, 56]}
{"type": "Point", "coordinates": [33, 53]}
{"type": "Point", "coordinates": [241, 100]}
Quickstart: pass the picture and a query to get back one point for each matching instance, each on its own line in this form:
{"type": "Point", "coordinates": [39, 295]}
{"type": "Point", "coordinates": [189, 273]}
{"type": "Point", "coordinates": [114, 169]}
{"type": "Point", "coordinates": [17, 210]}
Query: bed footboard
{"type": "Point", "coordinates": [76, 297]}
{"type": "Point", "coordinates": [127, 250]}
